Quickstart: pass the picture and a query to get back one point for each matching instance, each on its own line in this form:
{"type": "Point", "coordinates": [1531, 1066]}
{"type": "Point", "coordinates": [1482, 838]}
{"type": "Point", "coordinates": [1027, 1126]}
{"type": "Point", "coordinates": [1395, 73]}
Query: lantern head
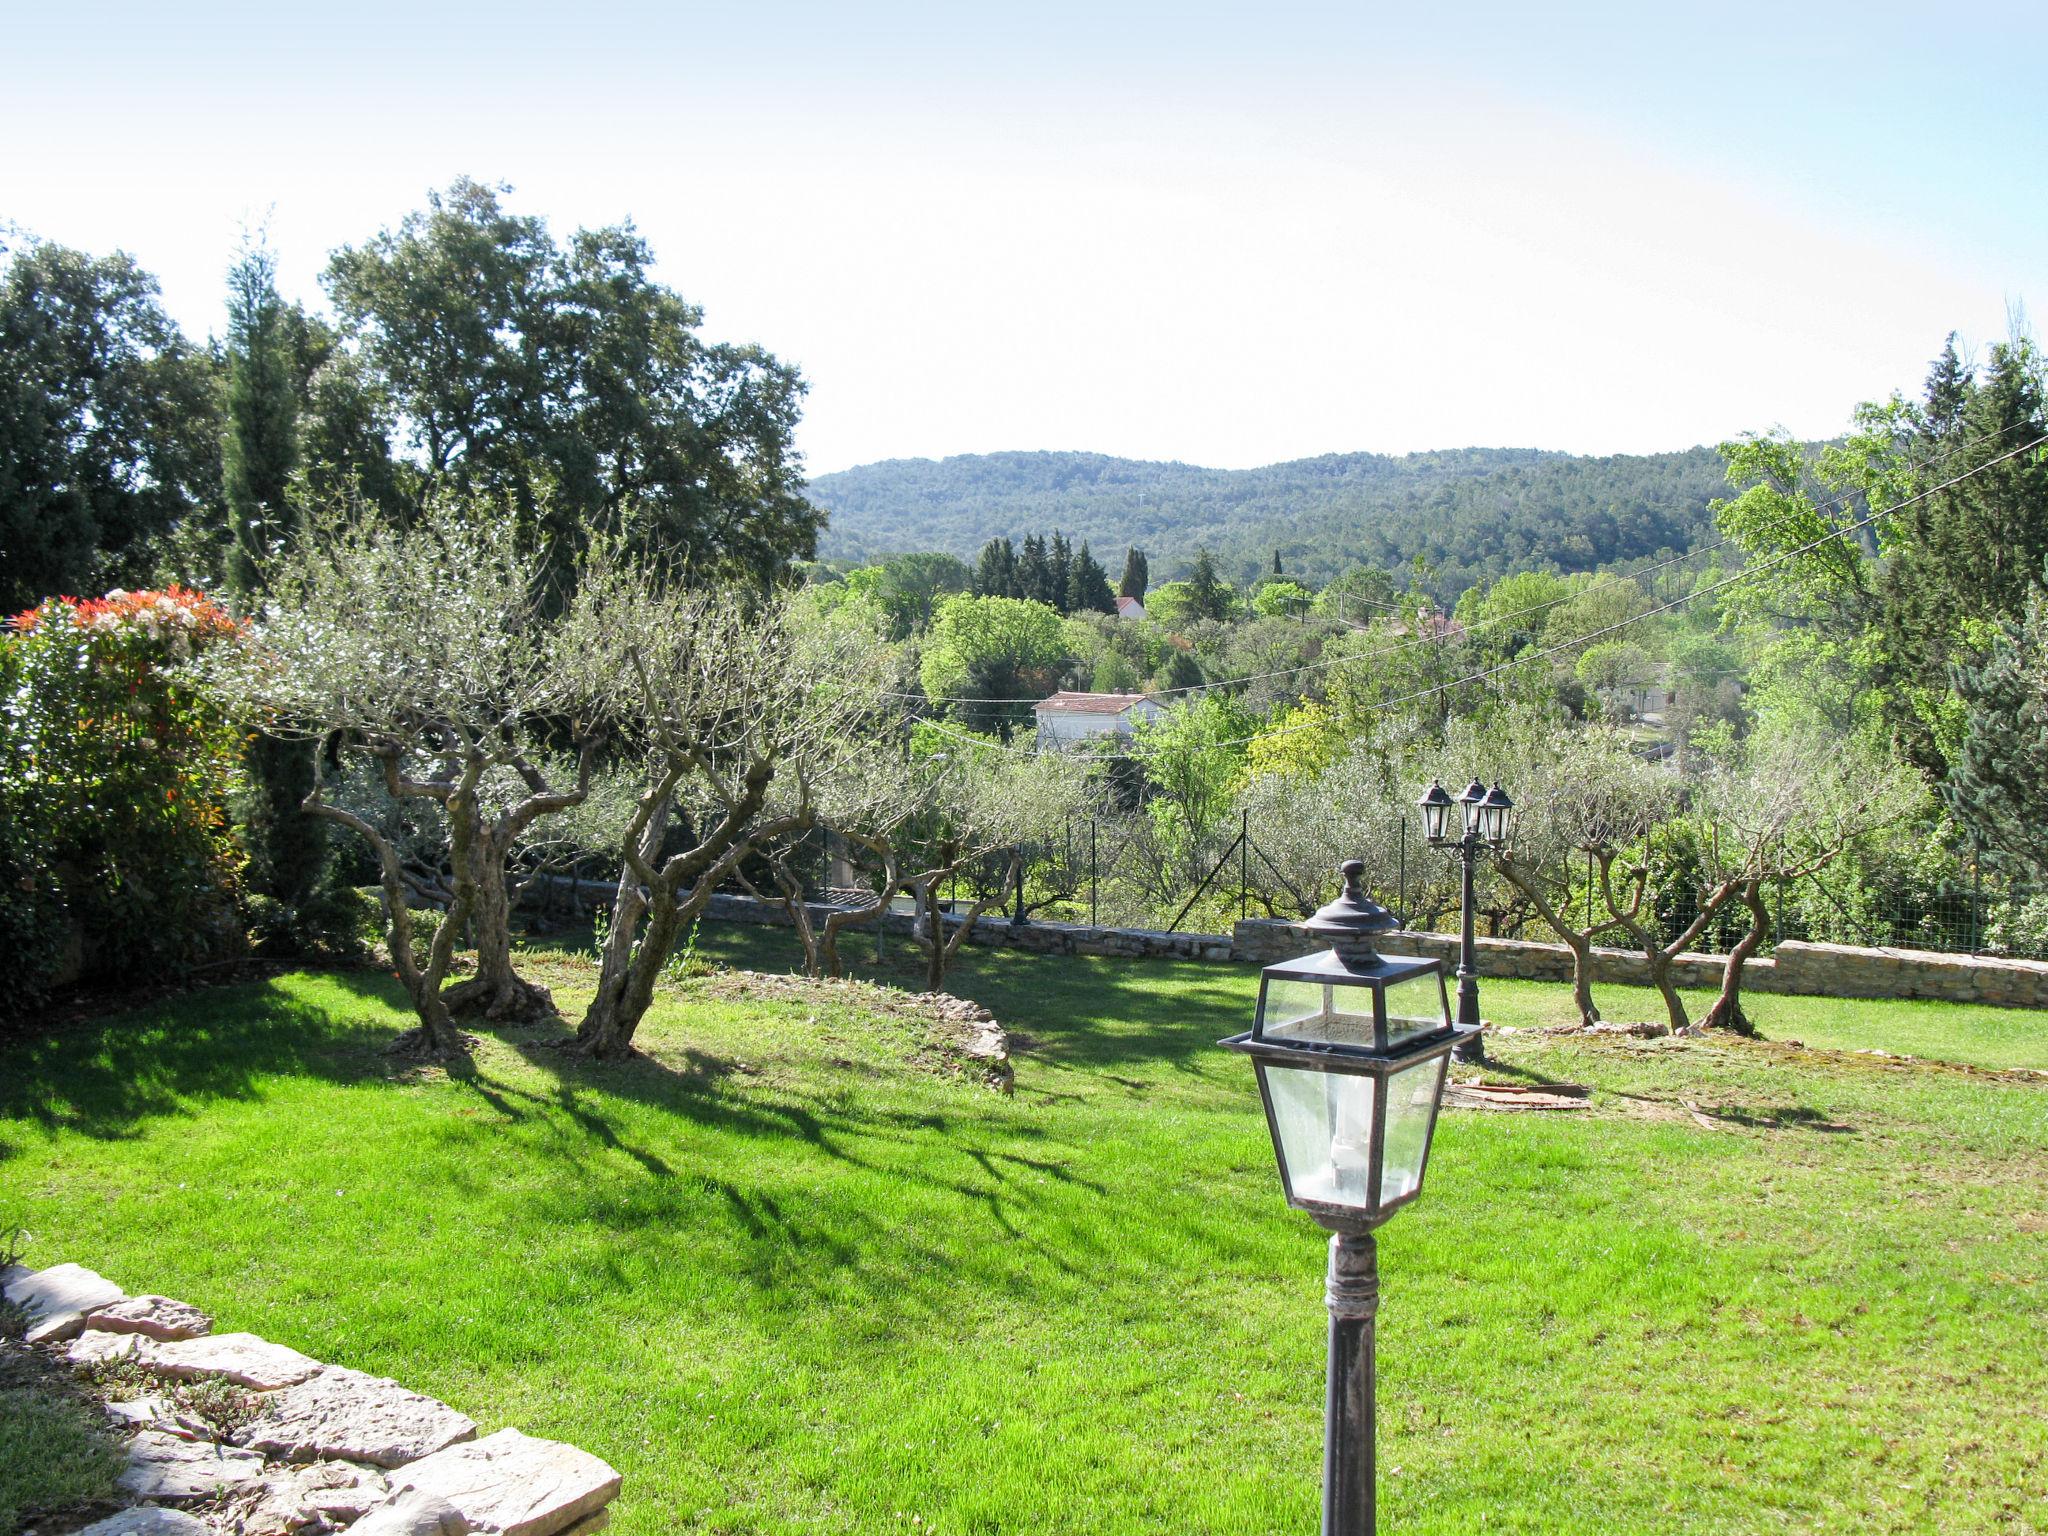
{"type": "Point", "coordinates": [1350, 1048]}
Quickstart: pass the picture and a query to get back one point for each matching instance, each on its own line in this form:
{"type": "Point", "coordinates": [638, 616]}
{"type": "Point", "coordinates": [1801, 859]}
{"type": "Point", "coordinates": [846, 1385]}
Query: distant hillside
{"type": "Point", "coordinates": [1471, 512]}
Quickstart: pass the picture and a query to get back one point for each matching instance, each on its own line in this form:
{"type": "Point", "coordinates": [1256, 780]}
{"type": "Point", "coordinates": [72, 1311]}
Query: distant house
{"type": "Point", "coordinates": [1429, 625]}
{"type": "Point", "coordinates": [1067, 718]}
{"type": "Point", "coordinates": [1647, 701]}
{"type": "Point", "coordinates": [1129, 608]}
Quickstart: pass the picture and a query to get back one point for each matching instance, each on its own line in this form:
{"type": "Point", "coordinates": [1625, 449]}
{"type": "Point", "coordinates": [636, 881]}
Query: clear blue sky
{"type": "Point", "coordinates": [1225, 234]}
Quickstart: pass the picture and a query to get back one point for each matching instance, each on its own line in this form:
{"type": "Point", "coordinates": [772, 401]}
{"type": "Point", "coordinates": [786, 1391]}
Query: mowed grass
{"type": "Point", "coordinates": [788, 1276]}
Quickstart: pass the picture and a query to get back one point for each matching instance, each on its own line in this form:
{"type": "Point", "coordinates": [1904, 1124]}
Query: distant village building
{"type": "Point", "coordinates": [1429, 625]}
{"type": "Point", "coordinates": [1067, 718]}
{"type": "Point", "coordinates": [1129, 608]}
{"type": "Point", "coordinates": [1648, 701]}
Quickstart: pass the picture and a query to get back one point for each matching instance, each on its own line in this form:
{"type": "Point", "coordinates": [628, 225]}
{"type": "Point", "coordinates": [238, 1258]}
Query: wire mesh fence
{"type": "Point", "coordinates": [1126, 871]}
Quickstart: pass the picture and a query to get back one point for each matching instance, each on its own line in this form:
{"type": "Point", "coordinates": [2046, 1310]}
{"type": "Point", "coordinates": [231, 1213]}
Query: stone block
{"type": "Point", "coordinates": [157, 1317]}
{"type": "Point", "coordinates": [148, 1520]}
{"type": "Point", "coordinates": [413, 1513]}
{"type": "Point", "coordinates": [162, 1466]}
{"type": "Point", "coordinates": [514, 1484]}
{"type": "Point", "coordinates": [96, 1346]}
{"type": "Point", "coordinates": [358, 1417]}
{"type": "Point", "coordinates": [240, 1357]}
{"type": "Point", "coordinates": [311, 1497]}
{"type": "Point", "coordinates": [56, 1299]}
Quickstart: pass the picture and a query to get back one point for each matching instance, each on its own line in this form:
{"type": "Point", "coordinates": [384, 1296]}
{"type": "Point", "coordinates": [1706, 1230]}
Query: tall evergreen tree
{"type": "Point", "coordinates": [1088, 584]}
{"type": "Point", "coordinates": [1998, 780]}
{"type": "Point", "coordinates": [1209, 596]}
{"type": "Point", "coordinates": [1969, 554]}
{"type": "Point", "coordinates": [995, 570]}
{"type": "Point", "coordinates": [258, 443]}
{"type": "Point", "coordinates": [1276, 564]}
{"type": "Point", "coordinates": [1135, 575]}
{"type": "Point", "coordinates": [1034, 570]}
{"type": "Point", "coordinates": [287, 849]}
{"type": "Point", "coordinates": [1060, 567]}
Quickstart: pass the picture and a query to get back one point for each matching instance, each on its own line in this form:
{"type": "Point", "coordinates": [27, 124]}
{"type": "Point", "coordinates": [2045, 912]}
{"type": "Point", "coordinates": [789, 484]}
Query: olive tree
{"type": "Point", "coordinates": [1782, 808]}
{"type": "Point", "coordinates": [737, 715]}
{"type": "Point", "coordinates": [1578, 793]}
{"type": "Point", "coordinates": [426, 652]}
{"type": "Point", "coordinates": [972, 799]}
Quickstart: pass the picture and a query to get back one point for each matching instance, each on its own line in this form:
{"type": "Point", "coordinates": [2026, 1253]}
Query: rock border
{"type": "Point", "coordinates": [251, 1438]}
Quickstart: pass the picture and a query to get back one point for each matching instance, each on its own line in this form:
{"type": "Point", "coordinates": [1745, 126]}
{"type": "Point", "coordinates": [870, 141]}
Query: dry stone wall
{"type": "Point", "coordinates": [1818, 970]}
{"type": "Point", "coordinates": [321, 1449]}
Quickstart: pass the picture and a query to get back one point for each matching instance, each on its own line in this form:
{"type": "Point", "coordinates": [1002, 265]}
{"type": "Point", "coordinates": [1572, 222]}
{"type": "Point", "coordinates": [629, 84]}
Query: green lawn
{"type": "Point", "coordinates": [789, 1278]}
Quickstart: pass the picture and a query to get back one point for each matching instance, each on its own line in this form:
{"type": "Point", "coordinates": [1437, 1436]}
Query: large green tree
{"type": "Point", "coordinates": [1088, 585]}
{"type": "Point", "coordinates": [1209, 595]}
{"type": "Point", "coordinates": [1962, 557]}
{"type": "Point", "coordinates": [992, 655]}
{"type": "Point", "coordinates": [562, 380]}
{"type": "Point", "coordinates": [1998, 780]}
{"type": "Point", "coordinates": [109, 423]}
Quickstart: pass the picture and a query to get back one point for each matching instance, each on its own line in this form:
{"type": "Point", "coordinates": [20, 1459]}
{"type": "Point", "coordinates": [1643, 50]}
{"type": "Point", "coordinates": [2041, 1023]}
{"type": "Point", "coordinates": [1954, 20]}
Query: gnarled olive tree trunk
{"type": "Point", "coordinates": [654, 905]}
{"type": "Point", "coordinates": [1727, 1010]}
{"type": "Point", "coordinates": [498, 992]}
{"type": "Point", "coordinates": [1578, 940]}
{"type": "Point", "coordinates": [436, 1035]}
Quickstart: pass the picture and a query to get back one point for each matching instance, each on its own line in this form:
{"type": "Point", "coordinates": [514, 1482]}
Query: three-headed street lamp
{"type": "Point", "coordinates": [1350, 1049]}
{"type": "Point", "coordinates": [1485, 826]}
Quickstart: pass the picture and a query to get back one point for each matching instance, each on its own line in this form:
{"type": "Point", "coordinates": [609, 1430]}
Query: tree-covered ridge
{"type": "Point", "coordinates": [1469, 513]}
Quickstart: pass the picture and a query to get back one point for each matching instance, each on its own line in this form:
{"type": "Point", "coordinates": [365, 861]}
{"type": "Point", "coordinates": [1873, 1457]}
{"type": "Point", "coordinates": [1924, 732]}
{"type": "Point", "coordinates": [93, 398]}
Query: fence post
{"type": "Point", "coordinates": [1401, 880]}
{"type": "Point", "coordinates": [1093, 875]}
{"type": "Point", "coordinates": [1976, 900]}
{"type": "Point", "coordinates": [1244, 864]}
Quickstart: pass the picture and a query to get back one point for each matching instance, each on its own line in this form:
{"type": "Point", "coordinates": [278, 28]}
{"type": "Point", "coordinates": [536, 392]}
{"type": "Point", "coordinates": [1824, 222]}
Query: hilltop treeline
{"type": "Point", "coordinates": [1470, 514]}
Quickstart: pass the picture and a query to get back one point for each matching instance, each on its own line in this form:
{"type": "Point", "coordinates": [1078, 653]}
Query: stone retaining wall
{"type": "Point", "coordinates": [1818, 970]}
{"type": "Point", "coordinates": [317, 1448]}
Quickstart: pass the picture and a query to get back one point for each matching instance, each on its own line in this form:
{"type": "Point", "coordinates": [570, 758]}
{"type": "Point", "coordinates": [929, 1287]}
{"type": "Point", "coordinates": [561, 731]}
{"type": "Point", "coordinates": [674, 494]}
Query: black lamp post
{"type": "Point", "coordinates": [1350, 1047]}
{"type": "Point", "coordinates": [1486, 826]}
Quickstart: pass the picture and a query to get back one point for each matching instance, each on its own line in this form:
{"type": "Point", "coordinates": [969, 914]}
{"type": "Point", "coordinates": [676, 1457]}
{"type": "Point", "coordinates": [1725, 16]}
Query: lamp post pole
{"type": "Point", "coordinates": [1349, 1449]}
{"type": "Point", "coordinates": [1468, 951]}
{"type": "Point", "coordinates": [1486, 826]}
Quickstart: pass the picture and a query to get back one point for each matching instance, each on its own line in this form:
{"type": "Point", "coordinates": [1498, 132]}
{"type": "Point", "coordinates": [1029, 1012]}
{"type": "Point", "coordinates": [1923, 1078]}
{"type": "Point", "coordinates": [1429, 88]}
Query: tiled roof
{"type": "Point", "coordinates": [1089, 703]}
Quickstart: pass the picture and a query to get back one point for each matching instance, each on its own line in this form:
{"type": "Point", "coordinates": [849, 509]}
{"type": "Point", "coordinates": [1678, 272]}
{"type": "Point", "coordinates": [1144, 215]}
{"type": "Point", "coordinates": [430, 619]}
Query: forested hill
{"type": "Point", "coordinates": [1471, 512]}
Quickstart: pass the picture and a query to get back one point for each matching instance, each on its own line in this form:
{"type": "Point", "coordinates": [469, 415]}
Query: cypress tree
{"type": "Point", "coordinates": [1209, 597]}
{"type": "Point", "coordinates": [1060, 568]}
{"type": "Point", "coordinates": [1088, 585]}
{"type": "Point", "coordinates": [1034, 571]}
{"type": "Point", "coordinates": [287, 849]}
{"type": "Point", "coordinates": [995, 570]}
{"type": "Point", "coordinates": [1135, 575]}
{"type": "Point", "coordinates": [258, 446]}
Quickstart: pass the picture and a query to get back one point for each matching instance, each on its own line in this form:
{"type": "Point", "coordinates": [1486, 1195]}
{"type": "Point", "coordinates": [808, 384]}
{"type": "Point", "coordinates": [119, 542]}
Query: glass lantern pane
{"type": "Point", "coordinates": [1415, 1008]}
{"type": "Point", "coordinates": [1412, 1094]}
{"type": "Point", "coordinates": [1322, 1122]}
{"type": "Point", "coordinates": [1310, 1012]}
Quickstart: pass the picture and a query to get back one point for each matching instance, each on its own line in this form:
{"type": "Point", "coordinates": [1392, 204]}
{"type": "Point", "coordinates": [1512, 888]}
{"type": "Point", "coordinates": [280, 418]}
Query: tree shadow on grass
{"type": "Point", "coordinates": [104, 1077]}
{"type": "Point", "coordinates": [1086, 1012]}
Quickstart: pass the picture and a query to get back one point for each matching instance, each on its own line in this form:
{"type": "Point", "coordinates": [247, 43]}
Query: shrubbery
{"type": "Point", "coordinates": [114, 842]}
